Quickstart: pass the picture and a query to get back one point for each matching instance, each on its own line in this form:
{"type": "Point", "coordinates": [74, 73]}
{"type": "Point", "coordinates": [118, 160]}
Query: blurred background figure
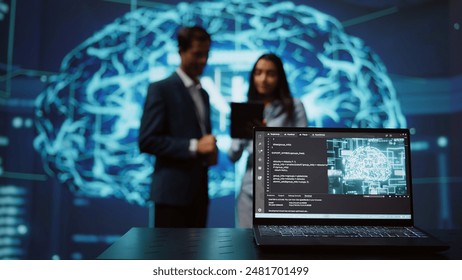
{"type": "Point", "coordinates": [267, 84]}
{"type": "Point", "coordinates": [175, 127]}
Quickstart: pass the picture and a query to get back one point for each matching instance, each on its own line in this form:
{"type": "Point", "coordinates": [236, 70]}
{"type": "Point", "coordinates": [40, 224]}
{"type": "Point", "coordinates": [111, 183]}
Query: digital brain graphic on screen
{"type": "Point", "coordinates": [88, 116]}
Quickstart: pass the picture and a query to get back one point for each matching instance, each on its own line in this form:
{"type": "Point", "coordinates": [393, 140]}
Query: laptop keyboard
{"type": "Point", "coordinates": [341, 231]}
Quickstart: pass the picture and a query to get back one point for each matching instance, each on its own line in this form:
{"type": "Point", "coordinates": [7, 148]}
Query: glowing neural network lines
{"type": "Point", "coordinates": [88, 116]}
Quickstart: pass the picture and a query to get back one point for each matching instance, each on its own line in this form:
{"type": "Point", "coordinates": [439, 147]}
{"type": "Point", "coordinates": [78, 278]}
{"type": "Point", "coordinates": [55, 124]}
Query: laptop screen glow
{"type": "Point", "coordinates": [309, 173]}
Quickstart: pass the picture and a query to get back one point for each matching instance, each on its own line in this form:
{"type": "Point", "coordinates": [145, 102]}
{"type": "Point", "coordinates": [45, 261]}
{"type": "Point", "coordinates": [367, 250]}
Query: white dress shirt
{"type": "Point", "coordinates": [195, 91]}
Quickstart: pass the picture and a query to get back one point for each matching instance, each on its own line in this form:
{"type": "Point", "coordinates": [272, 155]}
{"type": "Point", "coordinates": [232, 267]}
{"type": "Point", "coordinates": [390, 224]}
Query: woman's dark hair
{"type": "Point", "coordinates": [282, 91]}
{"type": "Point", "coordinates": [186, 35]}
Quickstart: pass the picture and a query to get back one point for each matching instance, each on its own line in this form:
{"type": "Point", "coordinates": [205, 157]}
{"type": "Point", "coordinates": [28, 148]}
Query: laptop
{"type": "Point", "coordinates": [337, 187]}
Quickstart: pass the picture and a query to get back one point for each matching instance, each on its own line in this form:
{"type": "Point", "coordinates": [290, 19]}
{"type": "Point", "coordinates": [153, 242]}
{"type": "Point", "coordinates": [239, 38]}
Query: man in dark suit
{"type": "Point", "coordinates": [175, 127]}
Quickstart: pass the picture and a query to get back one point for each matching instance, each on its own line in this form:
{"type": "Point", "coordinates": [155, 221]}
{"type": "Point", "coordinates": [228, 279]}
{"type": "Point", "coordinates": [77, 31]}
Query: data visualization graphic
{"type": "Point", "coordinates": [367, 167]}
{"type": "Point", "coordinates": [367, 163]}
{"type": "Point", "coordinates": [88, 116]}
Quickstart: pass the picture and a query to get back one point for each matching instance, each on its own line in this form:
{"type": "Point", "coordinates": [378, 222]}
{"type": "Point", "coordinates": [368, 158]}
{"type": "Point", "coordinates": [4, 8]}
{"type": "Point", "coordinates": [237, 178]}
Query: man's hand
{"type": "Point", "coordinates": [206, 144]}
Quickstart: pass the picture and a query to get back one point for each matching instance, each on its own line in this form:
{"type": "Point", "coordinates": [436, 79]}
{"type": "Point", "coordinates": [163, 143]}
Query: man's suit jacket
{"type": "Point", "coordinates": [168, 123]}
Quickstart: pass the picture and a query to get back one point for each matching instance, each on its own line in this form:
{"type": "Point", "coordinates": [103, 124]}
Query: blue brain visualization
{"type": "Point", "coordinates": [368, 163]}
{"type": "Point", "coordinates": [366, 166]}
{"type": "Point", "coordinates": [88, 116]}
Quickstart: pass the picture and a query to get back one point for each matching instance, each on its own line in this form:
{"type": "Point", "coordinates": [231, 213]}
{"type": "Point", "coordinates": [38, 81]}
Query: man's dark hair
{"type": "Point", "coordinates": [188, 34]}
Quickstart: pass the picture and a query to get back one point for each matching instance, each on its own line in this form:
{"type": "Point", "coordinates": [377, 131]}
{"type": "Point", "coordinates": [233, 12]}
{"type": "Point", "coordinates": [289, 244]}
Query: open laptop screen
{"type": "Point", "coordinates": [327, 173]}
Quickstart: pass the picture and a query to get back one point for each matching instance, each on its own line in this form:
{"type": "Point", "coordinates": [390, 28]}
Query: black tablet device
{"type": "Point", "coordinates": [244, 116]}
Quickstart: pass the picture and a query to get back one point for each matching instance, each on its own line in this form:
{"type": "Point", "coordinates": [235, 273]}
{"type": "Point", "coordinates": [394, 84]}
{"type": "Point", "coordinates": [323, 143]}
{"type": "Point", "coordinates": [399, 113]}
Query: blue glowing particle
{"type": "Point", "coordinates": [442, 141]}
{"type": "Point", "coordinates": [4, 9]}
{"type": "Point", "coordinates": [88, 116]}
